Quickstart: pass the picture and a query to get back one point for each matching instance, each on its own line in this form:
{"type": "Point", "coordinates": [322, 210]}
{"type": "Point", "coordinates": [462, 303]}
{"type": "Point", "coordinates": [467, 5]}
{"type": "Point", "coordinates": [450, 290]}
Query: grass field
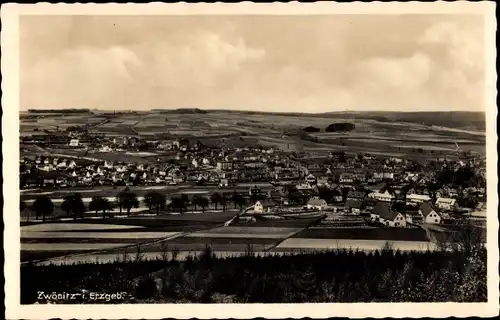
{"type": "Point", "coordinates": [396, 136]}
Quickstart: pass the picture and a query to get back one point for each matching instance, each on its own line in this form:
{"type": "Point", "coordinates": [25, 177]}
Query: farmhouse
{"type": "Point", "coordinates": [346, 178]}
{"type": "Point", "coordinates": [428, 213]}
{"type": "Point", "coordinates": [316, 203]}
{"type": "Point", "coordinates": [354, 206]}
{"type": "Point", "coordinates": [262, 207]}
{"type": "Point", "coordinates": [446, 203]}
{"type": "Point", "coordinates": [311, 179]}
{"type": "Point", "coordinates": [74, 143]}
{"type": "Point", "coordinates": [384, 214]}
{"type": "Point", "coordinates": [382, 196]}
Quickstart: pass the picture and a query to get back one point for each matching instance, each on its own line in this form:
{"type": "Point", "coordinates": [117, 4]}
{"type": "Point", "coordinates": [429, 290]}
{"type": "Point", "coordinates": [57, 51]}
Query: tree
{"type": "Point", "coordinates": [235, 198]}
{"type": "Point", "coordinates": [159, 202]}
{"type": "Point", "coordinates": [203, 203]}
{"type": "Point", "coordinates": [433, 187]}
{"type": "Point", "coordinates": [185, 200]}
{"type": "Point", "coordinates": [254, 197]}
{"type": "Point", "coordinates": [215, 199]}
{"type": "Point", "coordinates": [73, 204]}
{"type": "Point", "coordinates": [43, 206]}
{"type": "Point", "coordinates": [100, 204]}
{"type": "Point", "coordinates": [239, 201]}
{"type": "Point", "coordinates": [196, 201]}
{"type": "Point", "coordinates": [155, 200]}
{"type": "Point", "coordinates": [178, 203]}
{"type": "Point", "coordinates": [66, 205]}
{"type": "Point", "coordinates": [123, 197]}
{"type": "Point", "coordinates": [127, 200]}
{"type": "Point", "coordinates": [223, 201]}
{"type": "Point", "coordinates": [94, 204]}
{"type": "Point", "coordinates": [148, 200]}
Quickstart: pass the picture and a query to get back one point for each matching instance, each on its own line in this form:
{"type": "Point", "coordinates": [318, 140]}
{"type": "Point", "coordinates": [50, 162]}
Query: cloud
{"type": "Point", "coordinates": [117, 77]}
{"type": "Point", "coordinates": [323, 63]}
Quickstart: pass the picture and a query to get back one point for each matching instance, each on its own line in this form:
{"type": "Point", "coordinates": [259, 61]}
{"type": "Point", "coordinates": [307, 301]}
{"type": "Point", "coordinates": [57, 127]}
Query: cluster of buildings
{"type": "Point", "coordinates": [392, 191]}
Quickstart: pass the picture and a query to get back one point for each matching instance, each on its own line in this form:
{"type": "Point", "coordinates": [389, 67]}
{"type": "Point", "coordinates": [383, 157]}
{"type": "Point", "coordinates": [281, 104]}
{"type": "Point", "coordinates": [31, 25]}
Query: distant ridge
{"type": "Point", "coordinates": [181, 111]}
{"type": "Point", "coordinates": [453, 119]}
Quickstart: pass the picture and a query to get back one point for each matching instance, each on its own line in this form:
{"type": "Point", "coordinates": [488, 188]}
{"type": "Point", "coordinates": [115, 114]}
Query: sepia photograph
{"type": "Point", "coordinates": [227, 155]}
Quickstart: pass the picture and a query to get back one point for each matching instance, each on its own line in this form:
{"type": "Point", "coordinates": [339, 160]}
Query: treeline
{"type": "Point", "coordinates": [64, 111]}
{"type": "Point", "coordinates": [334, 276]}
{"type": "Point", "coordinates": [340, 126]}
{"type": "Point", "coordinates": [334, 127]}
{"type": "Point", "coordinates": [43, 207]}
{"type": "Point", "coordinates": [181, 111]}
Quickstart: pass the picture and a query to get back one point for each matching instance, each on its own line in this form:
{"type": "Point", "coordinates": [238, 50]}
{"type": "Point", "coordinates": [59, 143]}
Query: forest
{"type": "Point", "coordinates": [448, 275]}
{"type": "Point", "coordinates": [341, 126]}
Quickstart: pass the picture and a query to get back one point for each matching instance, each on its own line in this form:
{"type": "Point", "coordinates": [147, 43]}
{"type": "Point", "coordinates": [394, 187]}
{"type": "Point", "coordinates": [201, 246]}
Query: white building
{"type": "Point", "coordinates": [385, 196]}
{"type": "Point", "coordinates": [317, 203]}
{"type": "Point", "coordinates": [194, 163]}
{"type": "Point", "coordinates": [74, 143]}
{"type": "Point", "coordinates": [258, 207]}
{"type": "Point", "coordinates": [429, 214]}
{"type": "Point", "coordinates": [383, 213]}
{"type": "Point", "coordinates": [415, 199]}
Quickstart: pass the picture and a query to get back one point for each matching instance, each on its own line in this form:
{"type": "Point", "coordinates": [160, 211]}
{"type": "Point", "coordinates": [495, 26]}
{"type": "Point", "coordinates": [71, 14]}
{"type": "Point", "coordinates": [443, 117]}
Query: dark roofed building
{"type": "Point", "coordinates": [354, 206]}
{"type": "Point", "coordinates": [429, 213]}
{"type": "Point", "coordinates": [356, 195]}
{"type": "Point", "coordinates": [383, 213]}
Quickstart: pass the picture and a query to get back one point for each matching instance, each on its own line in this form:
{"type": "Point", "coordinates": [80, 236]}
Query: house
{"type": "Point", "coordinates": [72, 164]}
{"type": "Point", "coordinates": [443, 192]}
{"type": "Point", "coordinates": [262, 207]}
{"type": "Point", "coordinates": [354, 206]}
{"type": "Point", "coordinates": [446, 203]}
{"type": "Point", "coordinates": [62, 164]}
{"type": "Point", "coordinates": [346, 178]}
{"type": "Point", "coordinates": [356, 195]}
{"type": "Point", "coordinates": [74, 143]}
{"type": "Point", "coordinates": [225, 165]}
{"type": "Point", "coordinates": [355, 201]}
{"type": "Point", "coordinates": [311, 179]}
{"type": "Point", "coordinates": [416, 199]}
{"type": "Point", "coordinates": [323, 181]}
{"type": "Point", "coordinates": [224, 182]}
{"type": "Point", "coordinates": [429, 214]}
{"type": "Point", "coordinates": [194, 163]}
{"type": "Point", "coordinates": [316, 203]}
{"type": "Point", "coordinates": [383, 213]}
{"type": "Point", "coordinates": [382, 196]}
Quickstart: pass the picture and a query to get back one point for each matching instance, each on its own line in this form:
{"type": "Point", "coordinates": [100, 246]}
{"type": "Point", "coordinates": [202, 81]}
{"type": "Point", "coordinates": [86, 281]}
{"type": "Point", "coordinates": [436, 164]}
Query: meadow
{"type": "Point", "coordinates": [388, 133]}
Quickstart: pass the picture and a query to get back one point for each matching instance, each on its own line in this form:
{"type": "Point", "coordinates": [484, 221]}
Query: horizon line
{"type": "Point", "coordinates": [246, 110]}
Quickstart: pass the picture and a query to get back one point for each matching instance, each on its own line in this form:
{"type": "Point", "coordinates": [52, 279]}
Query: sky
{"type": "Point", "coordinates": [313, 63]}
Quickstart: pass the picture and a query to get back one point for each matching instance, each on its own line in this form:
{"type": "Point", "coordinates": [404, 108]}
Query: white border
{"type": "Point", "coordinates": [10, 103]}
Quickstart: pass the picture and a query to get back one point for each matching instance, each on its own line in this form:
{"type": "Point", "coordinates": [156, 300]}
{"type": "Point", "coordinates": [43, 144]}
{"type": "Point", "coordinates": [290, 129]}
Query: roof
{"type": "Point", "coordinates": [445, 200]}
{"type": "Point", "coordinates": [356, 194]}
{"type": "Point", "coordinates": [417, 196]}
{"type": "Point", "coordinates": [266, 203]}
{"type": "Point", "coordinates": [383, 209]}
{"type": "Point", "coordinates": [316, 202]}
{"type": "Point", "coordinates": [426, 208]}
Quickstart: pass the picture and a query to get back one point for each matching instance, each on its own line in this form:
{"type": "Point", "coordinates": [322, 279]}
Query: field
{"type": "Point", "coordinates": [92, 239]}
{"type": "Point", "coordinates": [415, 135]}
{"type": "Point", "coordinates": [395, 134]}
